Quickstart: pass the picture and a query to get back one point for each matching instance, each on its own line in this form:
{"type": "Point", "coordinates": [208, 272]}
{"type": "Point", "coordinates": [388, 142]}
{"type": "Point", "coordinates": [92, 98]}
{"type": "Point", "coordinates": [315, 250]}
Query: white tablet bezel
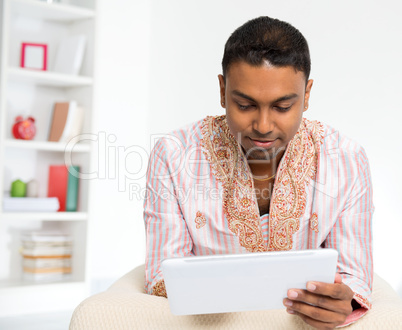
{"type": "Point", "coordinates": [242, 282]}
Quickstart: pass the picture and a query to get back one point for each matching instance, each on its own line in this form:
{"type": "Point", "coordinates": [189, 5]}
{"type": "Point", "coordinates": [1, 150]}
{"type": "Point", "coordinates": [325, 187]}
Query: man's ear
{"type": "Point", "coordinates": [309, 86]}
{"type": "Point", "coordinates": [222, 90]}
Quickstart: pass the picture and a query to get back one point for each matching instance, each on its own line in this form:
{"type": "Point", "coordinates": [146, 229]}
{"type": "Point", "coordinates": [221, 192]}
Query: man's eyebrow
{"type": "Point", "coordinates": [286, 97]}
{"type": "Point", "coordinates": [280, 99]}
{"type": "Point", "coordinates": [244, 96]}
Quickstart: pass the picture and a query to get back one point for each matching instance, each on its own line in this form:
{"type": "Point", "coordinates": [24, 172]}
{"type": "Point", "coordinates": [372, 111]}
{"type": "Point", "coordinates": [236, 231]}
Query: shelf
{"type": "Point", "coordinates": [46, 146]}
{"type": "Point", "coordinates": [45, 216]}
{"type": "Point", "coordinates": [50, 11]}
{"type": "Point", "coordinates": [47, 78]}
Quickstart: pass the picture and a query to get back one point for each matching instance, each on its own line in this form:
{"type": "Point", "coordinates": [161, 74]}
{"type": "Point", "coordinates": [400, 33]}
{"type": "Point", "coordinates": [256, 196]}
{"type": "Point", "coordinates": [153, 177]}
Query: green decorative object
{"type": "Point", "coordinates": [18, 189]}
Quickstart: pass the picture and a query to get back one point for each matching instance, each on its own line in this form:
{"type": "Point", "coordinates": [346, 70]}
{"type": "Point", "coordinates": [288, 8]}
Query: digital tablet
{"type": "Point", "coordinates": [242, 282]}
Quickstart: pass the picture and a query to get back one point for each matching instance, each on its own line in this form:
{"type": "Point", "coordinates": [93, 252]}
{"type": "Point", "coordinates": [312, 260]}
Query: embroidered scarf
{"type": "Point", "coordinates": [288, 201]}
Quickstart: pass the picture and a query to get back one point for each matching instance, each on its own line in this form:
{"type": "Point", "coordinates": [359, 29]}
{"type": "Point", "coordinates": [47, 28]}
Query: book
{"type": "Point", "coordinates": [46, 262]}
{"type": "Point", "coordinates": [59, 119]}
{"type": "Point", "coordinates": [70, 54]}
{"type": "Point", "coordinates": [45, 252]}
{"type": "Point", "coordinates": [46, 245]}
{"type": "Point", "coordinates": [57, 184]}
{"type": "Point", "coordinates": [72, 189]}
{"type": "Point", "coordinates": [64, 184]}
{"type": "Point", "coordinates": [45, 236]}
{"type": "Point", "coordinates": [57, 270]}
{"type": "Point", "coordinates": [74, 122]}
{"type": "Point", "coordinates": [66, 122]}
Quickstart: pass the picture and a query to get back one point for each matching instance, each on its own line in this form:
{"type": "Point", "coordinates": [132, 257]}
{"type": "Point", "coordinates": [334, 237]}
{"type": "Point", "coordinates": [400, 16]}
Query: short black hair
{"type": "Point", "coordinates": [267, 39]}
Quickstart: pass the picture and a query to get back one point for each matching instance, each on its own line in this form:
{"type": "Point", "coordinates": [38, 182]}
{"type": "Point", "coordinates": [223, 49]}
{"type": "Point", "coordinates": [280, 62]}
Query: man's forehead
{"type": "Point", "coordinates": [244, 69]}
{"type": "Point", "coordinates": [264, 79]}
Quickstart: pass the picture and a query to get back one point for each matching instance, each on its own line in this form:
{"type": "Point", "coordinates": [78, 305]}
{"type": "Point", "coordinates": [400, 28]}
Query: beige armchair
{"type": "Point", "coordinates": [125, 306]}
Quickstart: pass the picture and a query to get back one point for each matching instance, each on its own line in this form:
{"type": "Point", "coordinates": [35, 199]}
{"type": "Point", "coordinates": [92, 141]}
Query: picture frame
{"type": "Point", "coordinates": [34, 56]}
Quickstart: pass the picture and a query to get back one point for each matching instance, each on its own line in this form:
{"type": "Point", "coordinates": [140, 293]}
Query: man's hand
{"type": "Point", "coordinates": [322, 305]}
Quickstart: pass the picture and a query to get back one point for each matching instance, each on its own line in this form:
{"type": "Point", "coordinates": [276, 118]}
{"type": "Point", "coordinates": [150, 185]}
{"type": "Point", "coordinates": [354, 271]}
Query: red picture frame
{"type": "Point", "coordinates": [34, 56]}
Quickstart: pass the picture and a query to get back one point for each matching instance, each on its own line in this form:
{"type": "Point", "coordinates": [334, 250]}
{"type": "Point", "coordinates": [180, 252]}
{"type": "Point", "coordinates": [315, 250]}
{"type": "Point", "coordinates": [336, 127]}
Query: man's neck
{"type": "Point", "coordinates": [265, 167]}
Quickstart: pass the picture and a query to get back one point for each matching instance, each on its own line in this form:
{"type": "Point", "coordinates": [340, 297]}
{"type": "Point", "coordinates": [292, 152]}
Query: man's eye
{"type": "Point", "coordinates": [243, 107]}
{"type": "Point", "coordinates": [283, 109]}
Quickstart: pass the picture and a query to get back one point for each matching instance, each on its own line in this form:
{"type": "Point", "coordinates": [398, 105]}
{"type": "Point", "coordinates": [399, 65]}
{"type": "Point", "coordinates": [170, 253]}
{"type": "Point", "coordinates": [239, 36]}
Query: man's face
{"type": "Point", "coordinates": [264, 107]}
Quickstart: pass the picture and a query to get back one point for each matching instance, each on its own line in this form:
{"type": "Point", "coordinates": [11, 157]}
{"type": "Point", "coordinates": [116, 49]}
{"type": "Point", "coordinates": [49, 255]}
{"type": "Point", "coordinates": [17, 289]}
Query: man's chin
{"type": "Point", "coordinates": [260, 155]}
{"type": "Point", "coordinates": [263, 154]}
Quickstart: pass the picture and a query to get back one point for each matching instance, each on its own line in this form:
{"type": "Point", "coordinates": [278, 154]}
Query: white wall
{"type": "Point", "coordinates": [356, 52]}
{"type": "Point", "coordinates": [117, 240]}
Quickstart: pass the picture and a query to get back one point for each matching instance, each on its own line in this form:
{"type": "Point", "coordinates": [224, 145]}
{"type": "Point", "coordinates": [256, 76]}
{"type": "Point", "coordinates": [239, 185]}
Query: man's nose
{"type": "Point", "coordinates": [263, 123]}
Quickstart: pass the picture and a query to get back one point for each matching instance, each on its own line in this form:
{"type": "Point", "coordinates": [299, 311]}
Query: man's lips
{"type": "Point", "coordinates": [262, 143]}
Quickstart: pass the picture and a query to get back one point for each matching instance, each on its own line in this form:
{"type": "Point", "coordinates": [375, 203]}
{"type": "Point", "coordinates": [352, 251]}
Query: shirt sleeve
{"type": "Point", "coordinates": [352, 236]}
{"type": "Point", "coordinates": [166, 230]}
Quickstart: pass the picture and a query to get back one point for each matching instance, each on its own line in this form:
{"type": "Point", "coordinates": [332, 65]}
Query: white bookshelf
{"type": "Point", "coordinates": [47, 78]}
{"type": "Point", "coordinates": [33, 93]}
{"type": "Point", "coordinates": [52, 12]}
{"type": "Point", "coordinates": [45, 146]}
{"type": "Point", "coordinates": [45, 216]}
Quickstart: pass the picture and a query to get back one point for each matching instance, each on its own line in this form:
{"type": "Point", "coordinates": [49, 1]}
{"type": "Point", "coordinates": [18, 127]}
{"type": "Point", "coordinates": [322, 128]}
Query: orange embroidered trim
{"type": "Point", "coordinates": [200, 220]}
{"type": "Point", "coordinates": [159, 289]}
{"type": "Point", "coordinates": [362, 301]}
{"type": "Point", "coordinates": [314, 222]}
{"type": "Point", "coordinates": [289, 196]}
{"type": "Point", "coordinates": [226, 159]}
{"type": "Point", "coordinates": [299, 165]}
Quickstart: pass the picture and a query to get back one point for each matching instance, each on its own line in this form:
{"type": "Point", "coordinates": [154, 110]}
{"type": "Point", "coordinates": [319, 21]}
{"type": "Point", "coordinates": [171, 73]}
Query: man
{"type": "Point", "coordinates": [262, 178]}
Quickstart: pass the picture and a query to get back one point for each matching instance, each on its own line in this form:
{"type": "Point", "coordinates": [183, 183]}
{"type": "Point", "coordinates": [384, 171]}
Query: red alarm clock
{"type": "Point", "coordinates": [24, 129]}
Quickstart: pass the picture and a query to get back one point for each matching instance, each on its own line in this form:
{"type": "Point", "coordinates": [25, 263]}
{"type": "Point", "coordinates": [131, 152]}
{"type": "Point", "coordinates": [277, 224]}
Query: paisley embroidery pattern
{"type": "Point", "coordinates": [362, 301]}
{"type": "Point", "coordinates": [226, 158]}
{"type": "Point", "coordinates": [289, 196]}
{"type": "Point", "coordinates": [159, 289]}
{"type": "Point", "coordinates": [200, 220]}
{"type": "Point", "coordinates": [288, 203]}
{"type": "Point", "coordinates": [314, 222]}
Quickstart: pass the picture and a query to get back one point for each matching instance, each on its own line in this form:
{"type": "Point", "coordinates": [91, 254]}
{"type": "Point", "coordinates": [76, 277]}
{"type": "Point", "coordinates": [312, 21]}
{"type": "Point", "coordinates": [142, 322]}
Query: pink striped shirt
{"type": "Point", "coordinates": [200, 200]}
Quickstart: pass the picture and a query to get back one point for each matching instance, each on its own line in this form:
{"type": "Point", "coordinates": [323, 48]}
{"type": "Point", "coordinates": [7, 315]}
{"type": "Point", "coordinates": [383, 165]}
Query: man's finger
{"type": "Point", "coordinates": [311, 299]}
{"type": "Point", "coordinates": [314, 323]}
{"type": "Point", "coordinates": [336, 290]}
{"type": "Point", "coordinates": [317, 313]}
{"type": "Point", "coordinates": [338, 278]}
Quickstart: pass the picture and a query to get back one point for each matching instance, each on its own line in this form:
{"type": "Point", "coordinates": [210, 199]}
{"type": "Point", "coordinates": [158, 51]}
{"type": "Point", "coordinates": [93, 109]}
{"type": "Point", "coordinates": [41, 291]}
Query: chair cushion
{"type": "Point", "coordinates": [125, 305]}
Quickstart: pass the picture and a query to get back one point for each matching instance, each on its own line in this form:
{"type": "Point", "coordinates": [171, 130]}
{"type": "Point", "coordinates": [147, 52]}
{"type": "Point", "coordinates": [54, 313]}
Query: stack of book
{"type": "Point", "coordinates": [30, 204]}
{"type": "Point", "coordinates": [46, 256]}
